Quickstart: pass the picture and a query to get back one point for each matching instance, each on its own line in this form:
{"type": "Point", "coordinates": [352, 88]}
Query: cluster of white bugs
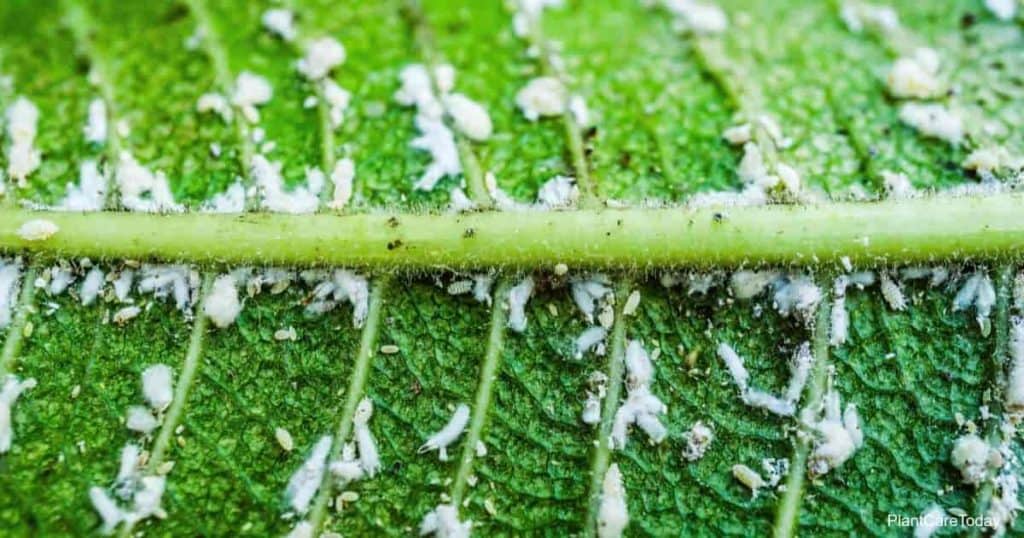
{"type": "Point", "coordinates": [23, 157]}
{"type": "Point", "coordinates": [517, 299]}
{"type": "Point", "coordinates": [774, 469]}
{"type": "Point", "coordinates": [840, 318]}
{"type": "Point", "coordinates": [134, 485]}
{"type": "Point", "coordinates": [837, 434]}
{"type": "Point", "coordinates": [479, 285]}
{"type": "Point", "coordinates": [222, 305]}
{"type": "Point", "coordinates": [276, 197]}
{"type": "Point", "coordinates": [89, 193]}
{"type": "Point", "coordinates": [859, 16]}
{"type": "Point", "coordinates": [612, 513]}
{"type": "Point", "coordinates": [794, 294]}
{"type": "Point", "coordinates": [597, 389]}
{"type": "Point", "coordinates": [306, 480]}
{"type": "Point", "coordinates": [337, 286]}
{"type": "Point", "coordinates": [9, 392]}
{"type": "Point", "coordinates": [448, 434]}
{"type": "Point", "coordinates": [641, 407]}
{"type": "Point", "coordinates": [141, 492]}
{"type": "Point", "coordinates": [697, 441]}
{"type": "Point", "coordinates": [977, 291]}
{"type": "Point", "coordinates": [249, 92]}
{"type": "Point", "coordinates": [95, 129]}
{"type": "Point", "coordinates": [142, 189]}
{"type": "Point", "coordinates": [784, 405]}
{"type": "Point", "coordinates": [280, 22]}
{"type": "Point", "coordinates": [934, 120]}
{"type": "Point", "coordinates": [697, 17]}
{"type": "Point", "coordinates": [443, 522]}
{"type": "Point", "coordinates": [915, 76]}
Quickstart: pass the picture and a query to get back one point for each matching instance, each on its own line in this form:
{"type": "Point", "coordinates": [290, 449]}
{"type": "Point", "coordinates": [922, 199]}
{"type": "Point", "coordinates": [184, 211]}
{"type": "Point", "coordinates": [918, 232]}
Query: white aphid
{"type": "Point", "coordinates": [369, 457]}
{"type": "Point", "coordinates": [591, 338]}
{"type": "Point", "coordinates": [915, 76]}
{"type": "Point", "coordinates": [641, 406]}
{"type": "Point", "coordinates": [612, 513]}
{"type": "Point", "coordinates": [274, 196]}
{"type": "Point", "coordinates": [140, 419]}
{"type": "Point", "coordinates": [970, 456]}
{"type": "Point", "coordinates": [482, 288]}
{"type": "Point", "coordinates": [177, 282]}
{"type": "Point", "coordinates": [1005, 10]}
{"type": "Point", "coordinates": [108, 510]}
{"type": "Point", "coordinates": [749, 477]}
{"type": "Point", "coordinates": [322, 55]}
{"type": "Point", "coordinates": [448, 434]}
{"type": "Point", "coordinates": [158, 386]}
{"type": "Point", "coordinates": [281, 22]}
{"type": "Point", "coordinates": [752, 169]}
{"type": "Point", "coordinates": [284, 439]}
{"type": "Point", "coordinates": [543, 96]}
{"type": "Point", "coordinates": [591, 409]}
{"type": "Point", "coordinates": [639, 368]}
{"type": "Point", "coordinates": [558, 192]}
{"type": "Point", "coordinates": [143, 491]}
{"type": "Point", "coordinates": [126, 314]}
{"type": "Point", "coordinates": [348, 468]}
{"type": "Point", "coordinates": [858, 15]}
{"type": "Point", "coordinates": [780, 405]}
{"type": "Point", "coordinates": [12, 388]}
{"type": "Point", "coordinates": [142, 189]}
{"type": "Point", "coordinates": [443, 522]}
{"type": "Point", "coordinates": [91, 286]}
{"type": "Point", "coordinates": [342, 285]}
{"type": "Point", "coordinates": [589, 292]}
{"type": "Point", "coordinates": [216, 103]}
{"type": "Point", "coordinates": [517, 298]}
{"type": "Point", "coordinates": [839, 328]}
{"type": "Point", "coordinates": [838, 436]}
{"type": "Point", "coordinates": [933, 120]}
{"type": "Point", "coordinates": [337, 99]}
{"type": "Point", "coordinates": [88, 195]}
{"type": "Point", "coordinates": [469, 117]}
{"type": "Point", "coordinates": [343, 177]}
{"type": "Point", "coordinates": [979, 292]}
{"type": "Point", "coordinates": [305, 482]}
{"type": "Point", "coordinates": [95, 129]}
{"type": "Point", "coordinates": [734, 363]}
{"type": "Point", "coordinates": [222, 305]}
{"type": "Point", "coordinates": [697, 440]}
{"type": "Point", "coordinates": [930, 522]}
{"type": "Point", "coordinates": [232, 200]}
{"type": "Point", "coordinates": [1005, 502]}
{"type": "Point", "coordinates": [698, 17]}
{"type": "Point", "coordinates": [580, 112]}
{"type": "Point", "coordinates": [1014, 398]}
{"type": "Point", "coordinates": [38, 230]}
{"type": "Point", "coordinates": [749, 284]}
{"type": "Point", "coordinates": [22, 157]}
{"type": "Point", "coordinates": [797, 295]}
{"type": "Point", "coordinates": [891, 292]}
{"type": "Point", "coordinates": [10, 273]}
{"type": "Point", "coordinates": [250, 91]}
{"type": "Point", "coordinates": [61, 277]}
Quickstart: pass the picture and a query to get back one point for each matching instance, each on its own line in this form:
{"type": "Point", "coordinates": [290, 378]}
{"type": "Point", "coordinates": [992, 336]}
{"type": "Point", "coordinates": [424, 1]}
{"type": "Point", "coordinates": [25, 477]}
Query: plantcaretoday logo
{"type": "Point", "coordinates": [935, 519]}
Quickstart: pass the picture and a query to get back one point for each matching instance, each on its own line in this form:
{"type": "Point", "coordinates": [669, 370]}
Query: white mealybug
{"type": "Point", "coordinates": [749, 284]}
{"type": "Point", "coordinates": [347, 468]}
{"type": "Point", "coordinates": [590, 338]}
{"type": "Point", "coordinates": [892, 293]}
{"type": "Point", "coordinates": [343, 177]}
{"type": "Point", "coordinates": [800, 369]}
{"type": "Point", "coordinates": [734, 363]}
{"type": "Point", "coordinates": [250, 91]}
{"type": "Point", "coordinates": [369, 458]}
{"type": "Point", "coordinates": [89, 194]}
{"type": "Point", "coordinates": [469, 117]}
{"type": "Point", "coordinates": [1015, 384]}
{"type": "Point", "coordinates": [143, 190]}
{"type": "Point", "coordinates": [898, 185]}
{"type": "Point", "coordinates": [839, 329]}
{"type": "Point", "coordinates": [641, 406]}
{"type": "Point", "coordinates": [91, 286]}
{"type": "Point", "coordinates": [12, 388]}
{"type": "Point", "coordinates": [443, 522]}
{"type": "Point", "coordinates": [110, 513]}
{"type": "Point", "coordinates": [698, 17]}
{"type": "Point", "coordinates": [126, 314]}
{"type": "Point", "coordinates": [930, 522]}
{"type": "Point", "coordinates": [697, 440]}
{"type": "Point", "coordinates": [284, 439]}
{"type": "Point", "coordinates": [216, 103]}
{"type": "Point", "coordinates": [143, 491]}
{"type": "Point", "coordinates": [639, 369]}
{"type": "Point", "coordinates": [934, 120]}
{"type": "Point", "coordinates": [749, 477]}
{"type": "Point", "coordinates": [96, 128]}
{"type": "Point", "coordinates": [915, 76]}
{"type": "Point", "coordinates": [482, 288]}
{"type": "Point", "coordinates": [588, 292]}
{"type": "Point", "coordinates": [448, 434]}
{"type": "Point", "coordinates": [305, 482]}
{"type": "Point", "coordinates": [580, 112]}
{"type": "Point", "coordinates": [280, 22]}
{"type": "Point", "coordinates": [158, 386]}
{"type": "Point", "coordinates": [591, 409]}
{"type": "Point", "coordinates": [543, 96]}
{"type": "Point", "coordinates": [322, 55]}
{"type": "Point", "coordinates": [337, 99]}
{"type": "Point", "coordinates": [222, 305]}
{"type": "Point", "coordinates": [22, 157]}
{"type": "Point", "coordinates": [558, 192]}
{"type": "Point", "coordinates": [838, 436]}
{"type": "Point", "coordinates": [1005, 502]}
{"type": "Point", "coordinates": [970, 456]}
{"type": "Point", "coordinates": [10, 273]}
{"type": "Point", "coordinates": [38, 230]}
{"type": "Point", "coordinates": [738, 134]}
{"type": "Point", "coordinates": [435, 137]}
{"type": "Point", "coordinates": [232, 200]}
{"type": "Point", "coordinates": [141, 420]}
{"type": "Point", "coordinates": [857, 15]}
{"type": "Point", "coordinates": [612, 513]}
{"type": "Point", "coordinates": [275, 197]}
{"type": "Point", "coordinates": [1005, 10]}
{"type": "Point", "coordinates": [798, 295]}
{"type": "Point", "coordinates": [517, 298]}
{"type": "Point", "coordinates": [978, 291]}
{"type": "Point", "coordinates": [632, 302]}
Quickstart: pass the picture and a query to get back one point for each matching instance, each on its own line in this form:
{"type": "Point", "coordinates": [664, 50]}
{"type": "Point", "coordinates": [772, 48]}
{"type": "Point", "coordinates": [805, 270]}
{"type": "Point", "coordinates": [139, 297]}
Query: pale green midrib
{"type": "Point", "coordinates": [1000, 360]}
{"type": "Point", "coordinates": [354, 394]}
{"type": "Point", "coordinates": [601, 457]}
{"type": "Point", "coordinates": [183, 386]}
{"type": "Point", "coordinates": [16, 330]}
{"type": "Point", "coordinates": [484, 391]}
{"type": "Point", "coordinates": [867, 233]}
{"type": "Point", "coordinates": [788, 511]}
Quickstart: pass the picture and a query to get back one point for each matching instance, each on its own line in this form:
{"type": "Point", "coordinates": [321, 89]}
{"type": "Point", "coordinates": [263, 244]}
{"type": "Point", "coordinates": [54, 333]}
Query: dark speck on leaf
{"type": "Point", "coordinates": [392, 245]}
{"type": "Point", "coordinates": [470, 232]}
{"type": "Point", "coordinates": [590, 133]}
{"type": "Point", "coordinates": [967, 20]}
{"type": "Point", "coordinates": [393, 222]}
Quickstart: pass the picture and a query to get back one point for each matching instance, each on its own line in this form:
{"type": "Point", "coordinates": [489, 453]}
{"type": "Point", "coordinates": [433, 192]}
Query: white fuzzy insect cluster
{"type": "Point", "coordinates": [251, 91]}
{"type": "Point", "coordinates": [612, 512]}
{"type": "Point", "coordinates": [1014, 395]}
{"type": "Point", "coordinates": [837, 434]}
{"type": "Point", "coordinates": [517, 299]}
{"type": "Point", "coordinates": [158, 391]}
{"type": "Point", "coordinates": [134, 495]}
{"type": "Point", "coordinates": [143, 190]}
{"type": "Point", "coordinates": [1005, 501]}
{"type": "Point", "coordinates": [697, 17]}
{"type": "Point", "coordinates": [10, 274]}
{"type": "Point", "coordinates": [988, 162]}
{"type": "Point", "coordinates": [322, 56]}
{"type": "Point", "coordinates": [597, 389]}
{"type": "Point", "coordinates": [915, 76]}
{"type": "Point", "coordinates": [95, 129]}
{"type": "Point", "coordinates": [794, 294]}
{"type": "Point", "coordinates": [593, 293]}
{"type": "Point", "coordinates": [934, 120]}
{"type": "Point", "coordinates": [977, 291]}
{"type": "Point", "coordinates": [861, 15]}
{"type": "Point", "coordinates": [306, 480]}
{"type": "Point", "coordinates": [697, 441]}
{"type": "Point", "coordinates": [971, 455]}
{"type": "Point", "coordinates": [38, 230]}
{"type": "Point", "coordinates": [89, 193]}
{"type": "Point", "coordinates": [23, 157]}
{"type": "Point", "coordinates": [839, 316]}
{"type": "Point", "coordinates": [756, 174]}
{"type": "Point", "coordinates": [215, 103]}
{"type": "Point", "coordinates": [448, 434]}
{"type": "Point", "coordinates": [9, 392]}
{"type": "Point", "coordinates": [641, 407]}
{"type": "Point", "coordinates": [443, 522]}
{"type": "Point", "coordinates": [340, 285]}
{"type": "Point", "coordinates": [785, 405]}
{"type": "Point", "coordinates": [430, 91]}
{"type": "Point", "coordinates": [179, 283]}
{"type": "Point", "coordinates": [280, 22]}
{"type": "Point", "coordinates": [222, 305]}
{"type": "Point", "coordinates": [543, 97]}
{"type": "Point", "coordinates": [1004, 10]}
{"type": "Point", "coordinates": [274, 196]}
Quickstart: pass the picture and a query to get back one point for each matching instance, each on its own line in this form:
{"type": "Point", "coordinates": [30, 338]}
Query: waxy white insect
{"type": "Point", "coordinates": [22, 157]}
{"type": "Point", "coordinates": [697, 441]}
{"type": "Point", "coordinates": [305, 482]}
{"type": "Point", "coordinates": [838, 436]}
{"type": "Point", "coordinates": [369, 457]}
{"type": "Point", "coordinates": [915, 76]}
{"type": "Point", "coordinates": [750, 478]}
{"type": "Point", "coordinates": [143, 190]}
{"type": "Point", "coordinates": [612, 514]}
{"type": "Point", "coordinates": [934, 120]}
{"type": "Point", "coordinates": [95, 130]}
{"type": "Point", "coordinates": [281, 22]}
{"type": "Point", "coordinates": [448, 434]}
{"type": "Point", "coordinates": [222, 305]}
{"type": "Point", "coordinates": [517, 298]}
{"type": "Point", "coordinates": [970, 455]}
{"type": "Point", "coordinates": [158, 386]}
{"type": "Point", "coordinates": [322, 55]}
{"type": "Point", "coordinates": [141, 420]}
{"type": "Point", "coordinates": [9, 393]}
{"type": "Point", "coordinates": [38, 230]}
{"type": "Point", "coordinates": [543, 96]}
{"type": "Point", "coordinates": [443, 522]}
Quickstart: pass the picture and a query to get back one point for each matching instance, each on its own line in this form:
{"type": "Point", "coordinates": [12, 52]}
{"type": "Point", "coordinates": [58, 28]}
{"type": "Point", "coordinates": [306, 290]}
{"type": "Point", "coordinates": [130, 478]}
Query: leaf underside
{"type": "Point", "coordinates": [660, 114]}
